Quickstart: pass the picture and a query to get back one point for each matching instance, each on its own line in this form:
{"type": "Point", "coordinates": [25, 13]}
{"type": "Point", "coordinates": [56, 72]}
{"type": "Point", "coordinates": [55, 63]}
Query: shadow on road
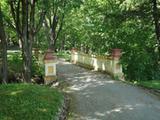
{"type": "Point", "coordinates": [95, 96]}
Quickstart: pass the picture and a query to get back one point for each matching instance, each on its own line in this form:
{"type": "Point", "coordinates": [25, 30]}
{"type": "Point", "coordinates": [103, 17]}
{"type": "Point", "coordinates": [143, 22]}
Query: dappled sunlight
{"type": "Point", "coordinates": [64, 63]}
{"type": "Point", "coordinates": [88, 118]}
{"type": "Point", "coordinates": [99, 114]}
{"type": "Point", "coordinates": [78, 77]}
{"type": "Point", "coordinates": [87, 82]}
{"type": "Point", "coordinates": [79, 87]}
{"type": "Point", "coordinates": [16, 92]}
{"type": "Point", "coordinates": [84, 78]}
{"type": "Point", "coordinates": [120, 110]}
{"type": "Point", "coordinates": [76, 116]}
{"type": "Point", "coordinates": [42, 110]}
{"type": "Point", "coordinates": [98, 97]}
{"type": "Point", "coordinates": [90, 81]}
{"type": "Point", "coordinates": [156, 83]}
{"type": "Point", "coordinates": [117, 110]}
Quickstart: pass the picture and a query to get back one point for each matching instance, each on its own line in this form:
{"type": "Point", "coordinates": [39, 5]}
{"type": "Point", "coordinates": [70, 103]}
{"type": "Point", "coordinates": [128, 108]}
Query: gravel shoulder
{"type": "Point", "coordinates": [95, 96]}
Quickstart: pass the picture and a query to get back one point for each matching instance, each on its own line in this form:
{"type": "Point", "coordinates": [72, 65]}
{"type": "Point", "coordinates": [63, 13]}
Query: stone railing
{"type": "Point", "coordinates": [110, 65]}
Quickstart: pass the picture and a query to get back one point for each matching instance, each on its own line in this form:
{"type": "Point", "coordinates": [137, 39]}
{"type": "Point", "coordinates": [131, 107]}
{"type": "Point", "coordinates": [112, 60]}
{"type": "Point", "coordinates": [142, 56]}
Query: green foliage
{"type": "Point", "coordinates": [37, 67]}
{"type": "Point", "coordinates": [99, 26]}
{"type": "Point", "coordinates": [29, 102]}
{"type": "Point", "coordinates": [64, 54]}
{"type": "Point", "coordinates": [154, 84]}
{"type": "Point", "coordinates": [15, 64]}
{"type": "Point", "coordinates": [41, 41]}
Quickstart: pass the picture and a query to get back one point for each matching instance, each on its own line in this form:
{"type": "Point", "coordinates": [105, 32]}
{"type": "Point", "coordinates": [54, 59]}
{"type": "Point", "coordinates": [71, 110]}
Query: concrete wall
{"type": "Point", "coordinates": [99, 63]}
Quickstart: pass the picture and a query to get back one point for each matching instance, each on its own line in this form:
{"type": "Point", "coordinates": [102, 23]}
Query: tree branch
{"type": "Point", "coordinates": [40, 23]}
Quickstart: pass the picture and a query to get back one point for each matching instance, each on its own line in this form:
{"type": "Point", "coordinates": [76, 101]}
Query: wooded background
{"type": "Point", "coordinates": [92, 26]}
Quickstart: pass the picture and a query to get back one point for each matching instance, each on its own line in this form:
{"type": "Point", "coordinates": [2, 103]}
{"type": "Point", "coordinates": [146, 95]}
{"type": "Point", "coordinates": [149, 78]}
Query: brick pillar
{"type": "Point", "coordinates": [50, 61]}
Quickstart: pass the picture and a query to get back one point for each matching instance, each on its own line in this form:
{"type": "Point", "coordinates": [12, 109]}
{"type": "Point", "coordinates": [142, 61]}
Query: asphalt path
{"type": "Point", "coordinates": [95, 96]}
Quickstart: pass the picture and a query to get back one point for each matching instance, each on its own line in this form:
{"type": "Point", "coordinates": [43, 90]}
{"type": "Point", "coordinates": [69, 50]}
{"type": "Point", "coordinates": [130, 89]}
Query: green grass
{"type": "Point", "coordinates": [28, 102]}
{"type": "Point", "coordinates": [154, 84]}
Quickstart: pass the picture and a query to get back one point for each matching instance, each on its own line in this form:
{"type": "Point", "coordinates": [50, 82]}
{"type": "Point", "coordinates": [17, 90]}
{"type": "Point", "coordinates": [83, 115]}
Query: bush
{"type": "Point", "coordinates": [37, 67]}
{"type": "Point", "coordinates": [15, 64]}
{"type": "Point", "coordinates": [140, 65]}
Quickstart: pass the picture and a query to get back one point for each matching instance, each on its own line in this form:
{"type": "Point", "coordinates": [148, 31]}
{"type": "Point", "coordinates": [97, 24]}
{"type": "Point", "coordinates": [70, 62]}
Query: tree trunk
{"type": "Point", "coordinates": [23, 13]}
{"type": "Point", "coordinates": [54, 23]}
{"type": "Point", "coordinates": [26, 43]}
{"type": "Point", "coordinates": [53, 27]}
{"type": "Point", "coordinates": [156, 22]}
{"type": "Point", "coordinates": [63, 43]}
{"type": "Point", "coordinates": [4, 49]}
{"type": "Point", "coordinates": [26, 65]}
{"type": "Point", "coordinates": [52, 39]}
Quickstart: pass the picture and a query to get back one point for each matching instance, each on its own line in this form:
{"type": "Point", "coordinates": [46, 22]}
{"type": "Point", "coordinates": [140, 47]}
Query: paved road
{"type": "Point", "coordinates": [96, 96]}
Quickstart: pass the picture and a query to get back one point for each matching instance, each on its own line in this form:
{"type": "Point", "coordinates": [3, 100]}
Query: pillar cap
{"type": "Point", "coordinates": [49, 55]}
{"type": "Point", "coordinates": [116, 53]}
{"type": "Point", "coordinates": [74, 50]}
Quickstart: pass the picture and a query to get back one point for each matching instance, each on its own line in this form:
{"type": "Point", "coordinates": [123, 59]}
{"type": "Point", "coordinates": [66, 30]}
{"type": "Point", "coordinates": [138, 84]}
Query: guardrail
{"type": "Point", "coordinates": [110, 65]}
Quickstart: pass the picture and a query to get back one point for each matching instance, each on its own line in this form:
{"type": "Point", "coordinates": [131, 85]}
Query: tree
{"type": "Point", "coordinates": [54, 20]}
{"type": "Point", "coordinates": [3, 47]}
{"type": "Point", "coordinates": [156, 20]}
{"type": "Point", "coordinates": [23, 13]}
{"type": "Point", "coordinates": [100, 25]}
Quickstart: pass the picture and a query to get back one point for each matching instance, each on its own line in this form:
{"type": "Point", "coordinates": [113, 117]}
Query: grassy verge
{"type": "Point", "coordinates": [28, 102]}
{"type": "Point", "coordinates": [154, 84]}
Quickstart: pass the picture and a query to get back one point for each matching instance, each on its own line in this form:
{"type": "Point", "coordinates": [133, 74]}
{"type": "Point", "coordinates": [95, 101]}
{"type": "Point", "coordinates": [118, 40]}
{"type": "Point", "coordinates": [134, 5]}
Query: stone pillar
{"type": "Point", "coordinates": [74, 55]}
{"type": "Point", "coordinates": [116, 66]}
{"type": "Point", "coordinates": [95, 66]}
{"type": "Point", "coordinates": [50, 61]}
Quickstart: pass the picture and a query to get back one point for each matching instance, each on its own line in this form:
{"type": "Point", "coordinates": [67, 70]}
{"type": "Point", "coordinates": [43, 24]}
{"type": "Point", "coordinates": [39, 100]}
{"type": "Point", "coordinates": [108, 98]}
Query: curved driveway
{"type": "Point", "coordinates": [95, 96]}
